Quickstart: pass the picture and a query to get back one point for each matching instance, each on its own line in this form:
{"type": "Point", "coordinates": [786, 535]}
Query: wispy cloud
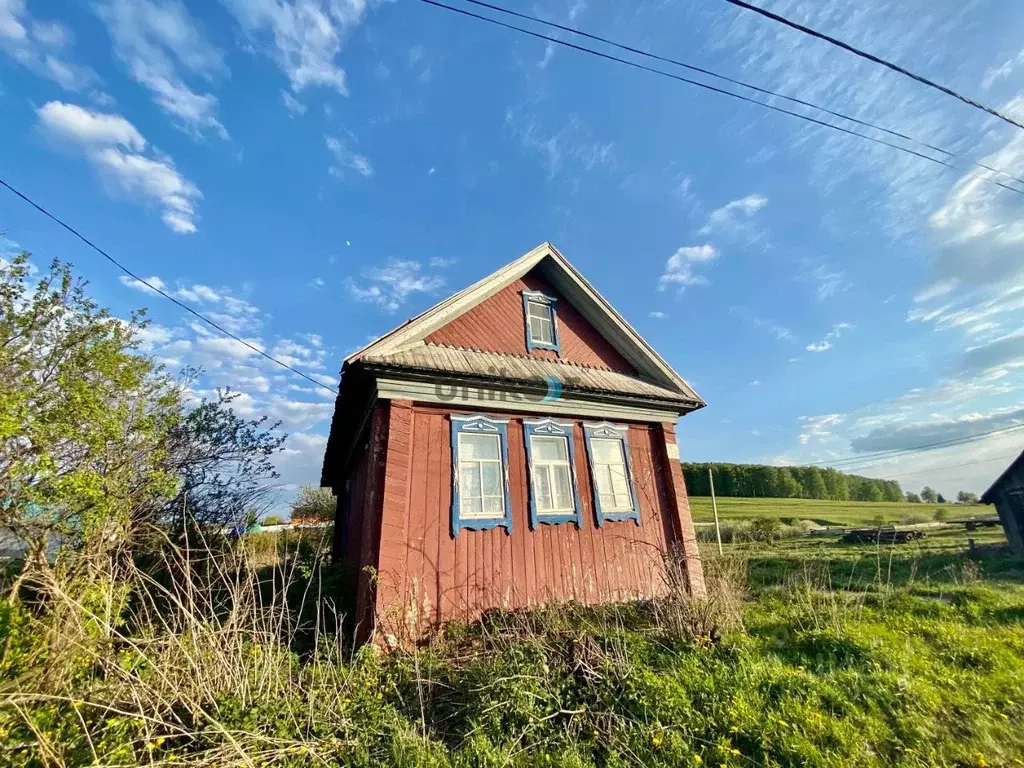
{"type": "Point", "coordinates": [115, 149]}
{"type": "Point", "coordinates": [389, 287]}
{"type": "Point", "coordinates": [818, 427]}
{"type": "Point", "coordinates": [657, 315]}
{"type": "Point", "coordinates": [826, 343]}
{"type": "Point", "coordinates": [994, 74]}
{"type": "Point", "coordinates": [572, 146]}
{"type": "Point", "coordinates": [347, 160]}
{"type": "Point", "coordinates": [292, 104]}
{"type": "Point", "coordinates": [827, 281]}
{"type": "Point", "coordinates": [304, 37]}
{"type": "Point", "coordinates": [41, 47]}
{"type": "Point", "coordinates": [153, 38]}
{"type": "Point", "coordinates": [680, 269]}
{"type": "Point", "coordinates": [732, 217]}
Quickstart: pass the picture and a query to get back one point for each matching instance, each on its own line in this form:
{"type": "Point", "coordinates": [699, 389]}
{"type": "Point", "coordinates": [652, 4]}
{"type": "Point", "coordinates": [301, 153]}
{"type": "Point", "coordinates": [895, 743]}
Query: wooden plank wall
{"type": "Point", "coordinates": [498, 325]}
{"type": "Point", "coordinates": [427, 577]}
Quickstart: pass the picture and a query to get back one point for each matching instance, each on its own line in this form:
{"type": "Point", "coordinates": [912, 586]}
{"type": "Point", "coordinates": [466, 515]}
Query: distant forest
{"type": "Point", "coordinates": [754, 480]}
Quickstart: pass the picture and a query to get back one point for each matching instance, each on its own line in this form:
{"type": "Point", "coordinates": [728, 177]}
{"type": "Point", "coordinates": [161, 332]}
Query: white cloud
{"type": "Point", "coordinates": [826, 343]}
{"type": "Point", "coordinates": [780, 332]}
{"type": "Point", "coordinates": [442, 261]}
{"type": "Point", "coordinates": [149, 36]}
{"type": "Point", "coordinates": [72, 123]}
{"type": "Point", "coordinates": [755, 383]}
{"type": "Point", "coordinates": [391, 285]}
{"type": "Point", "coordinates": [138, 285]}
{"type": "Point", "coordinates": [827, 281]}
{"type": "Point", "coordinates": [292, 104]}
{"type": "Point", "coordinates": [994, 74]}
{"type": "Point", "coordinates": [198, 293]}
{"type": "Point", "coordinates": [40, 46]}
{"type": "Point", "coordinates": [731, 216]}
{"type": "Point", "coordinates": [818, 427]}
{"type": "Point", "coordinates": [99, 137]}
{"type": "Point", "coordinates": [936, 290]}
{"type": "Point", "coordinates": [657, 315]}
{"type": "Point", "coordinates": [155, 180]}
{"type": "Point", "coordinates": [571, 147]}
{"type": "Point", "coordinates": [679, 269]}
{"type": "Point", "coordinates": [304, 37]}
{"type": "Point", "coordinates": [346, 158]}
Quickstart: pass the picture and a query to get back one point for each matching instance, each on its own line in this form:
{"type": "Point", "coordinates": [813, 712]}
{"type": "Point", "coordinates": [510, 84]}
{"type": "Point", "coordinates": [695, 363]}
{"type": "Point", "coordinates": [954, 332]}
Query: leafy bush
{"type": "Point", "coordinates": [314, 505]}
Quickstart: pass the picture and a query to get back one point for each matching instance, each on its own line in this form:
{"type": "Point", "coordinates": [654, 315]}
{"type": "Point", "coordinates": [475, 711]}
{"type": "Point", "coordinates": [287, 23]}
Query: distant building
{"type": "Point", "coordinates": [512, 445]}
{"type": "Point", "coordinates": [1007, 493]}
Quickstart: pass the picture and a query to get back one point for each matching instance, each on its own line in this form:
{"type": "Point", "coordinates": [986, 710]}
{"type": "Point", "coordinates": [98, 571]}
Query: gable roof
{"type": "Point", "coordinates": [989, 496]}
{"type": "Point", "coordinates": [571, 284]}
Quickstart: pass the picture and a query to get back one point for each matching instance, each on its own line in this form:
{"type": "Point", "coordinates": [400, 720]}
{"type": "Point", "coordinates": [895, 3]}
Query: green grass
{"type": "Point", "coordinates": [842, 513]}
{"type": "Point", "coordinates": [811, 653]}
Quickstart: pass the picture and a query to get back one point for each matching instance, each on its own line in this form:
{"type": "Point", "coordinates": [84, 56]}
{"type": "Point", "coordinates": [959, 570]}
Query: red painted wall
{"type": "Point", "coordinates": [498, 325]}
{"type": "Point", "coordinates": [426, 577]}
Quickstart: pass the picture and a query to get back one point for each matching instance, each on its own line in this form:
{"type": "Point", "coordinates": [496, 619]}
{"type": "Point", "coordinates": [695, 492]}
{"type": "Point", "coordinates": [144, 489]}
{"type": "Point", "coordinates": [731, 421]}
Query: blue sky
{"type": "Point", "coordinates": [313, 172]}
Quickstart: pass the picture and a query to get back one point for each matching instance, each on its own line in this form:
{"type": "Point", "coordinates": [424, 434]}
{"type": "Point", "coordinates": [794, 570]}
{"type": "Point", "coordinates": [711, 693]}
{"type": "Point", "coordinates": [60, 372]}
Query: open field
{"type": "Point", "coordinates": [842, 513]}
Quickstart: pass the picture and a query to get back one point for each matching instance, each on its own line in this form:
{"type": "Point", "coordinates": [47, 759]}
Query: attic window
{"type": "Point", "coordinates": [541, 321]}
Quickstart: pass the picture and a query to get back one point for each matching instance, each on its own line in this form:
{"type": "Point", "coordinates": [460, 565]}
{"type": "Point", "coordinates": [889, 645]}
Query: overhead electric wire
{"type": "Point", "coordinates": [929, 470]}
{"type": "Point", "coordinates": [715, 89]}
{"type": "Point", "coordinates": [734, 81]}
{"type": "Point", "coordinates": [871, 458]}
{"type": "Point", "coordinates": [160, 291]}
{"type": "Point", "coordinates": [876, 59]}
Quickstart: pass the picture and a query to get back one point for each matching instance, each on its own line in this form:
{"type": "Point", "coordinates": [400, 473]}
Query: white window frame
{"type": "Point", "coordinates": [498, 429]}
{"type": "Point", "coordinates": [619, 434]}
{"type": "Point", "coordinates": [535, 298]}
{"type": "Point", "coordinates": [550, 428]}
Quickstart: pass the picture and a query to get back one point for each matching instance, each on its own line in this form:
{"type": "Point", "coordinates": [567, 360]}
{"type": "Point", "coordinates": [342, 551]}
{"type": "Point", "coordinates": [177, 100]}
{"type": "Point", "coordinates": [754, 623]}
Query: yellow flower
{"type": "Point", "coordinates": [150, 746]}
{"type": "Point", "coordinates": [734, 751]}
{"type": "Point", "coordinates": [697, 759]}
{"type": "Point", "coordinates": [734, 729]}
{"type": "Point", "coordinates": [981, 763]}
{"type": "Point", "coordinates": [656, 740]}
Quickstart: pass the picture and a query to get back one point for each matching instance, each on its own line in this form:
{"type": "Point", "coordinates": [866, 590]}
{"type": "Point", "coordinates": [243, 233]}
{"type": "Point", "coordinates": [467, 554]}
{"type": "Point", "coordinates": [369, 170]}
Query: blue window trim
{"type": "Point", "coordinates": [540, 298]}
{"type": "Point", "coordinates": [549, 428]}
{"type": "Point", "coordinates": [480, 424]}
{"type": "Point", "coordinates": [606, 430]}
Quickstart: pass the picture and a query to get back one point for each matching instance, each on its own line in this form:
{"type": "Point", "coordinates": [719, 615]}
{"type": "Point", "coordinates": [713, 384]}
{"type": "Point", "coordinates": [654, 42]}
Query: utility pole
{"type": "Point", "coordinates": [714, 507]}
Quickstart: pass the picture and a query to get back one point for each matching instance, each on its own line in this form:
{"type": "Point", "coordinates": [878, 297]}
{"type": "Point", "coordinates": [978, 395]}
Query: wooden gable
{"type": "Point", "coordinates": [498, 324]}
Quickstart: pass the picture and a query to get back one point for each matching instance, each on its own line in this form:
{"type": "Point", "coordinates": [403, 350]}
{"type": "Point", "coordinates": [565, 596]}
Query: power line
{"type": "Point", "coordinates": [900, 452]}
{"type": "Point", "coordinates": [877, 60]}
{"type": "Point", "coordinates": [734, 81]}
{"type": "Point", "coordinates": [715, 89]}
{"type": "Point", "coordinates": [160, 291]}
{"type": "Point", "coordinates": [956, 466]}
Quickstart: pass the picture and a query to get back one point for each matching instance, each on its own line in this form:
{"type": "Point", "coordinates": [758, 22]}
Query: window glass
{"type": "Point", "coordinates": [541, 324]}
{"type": "Point", "coordinates": [481, 493]}
{"type": "Point", "coordinates": [610, 475]}
{"type": "Point", "coordinates": [551, 474]}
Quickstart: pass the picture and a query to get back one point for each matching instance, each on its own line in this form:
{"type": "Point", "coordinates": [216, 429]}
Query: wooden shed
{"type": "Point", "coordinates": [1007, 493]}
{"type": "Point", "coordinates": [513, 445]}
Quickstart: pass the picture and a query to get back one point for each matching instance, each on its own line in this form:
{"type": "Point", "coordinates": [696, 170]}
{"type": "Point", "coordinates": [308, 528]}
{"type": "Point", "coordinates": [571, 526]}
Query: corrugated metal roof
{"type": "Point", "coordinates": [493, 365]}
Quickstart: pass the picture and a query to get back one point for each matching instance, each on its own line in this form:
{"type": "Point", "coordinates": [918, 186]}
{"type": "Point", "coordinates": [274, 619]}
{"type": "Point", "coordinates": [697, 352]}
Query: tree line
{"type": "Point", "coordinates": [763, 480]}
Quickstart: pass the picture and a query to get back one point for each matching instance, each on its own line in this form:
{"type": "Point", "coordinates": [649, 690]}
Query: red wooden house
{"type": "Point", "coordinates": [512, 445]}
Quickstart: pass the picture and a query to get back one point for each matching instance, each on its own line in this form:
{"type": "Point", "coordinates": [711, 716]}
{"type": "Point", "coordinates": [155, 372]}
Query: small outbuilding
{"type": "Point", "coordinates": [1007, 493]}
{"type": "Point", "coordinates": [511, 446]}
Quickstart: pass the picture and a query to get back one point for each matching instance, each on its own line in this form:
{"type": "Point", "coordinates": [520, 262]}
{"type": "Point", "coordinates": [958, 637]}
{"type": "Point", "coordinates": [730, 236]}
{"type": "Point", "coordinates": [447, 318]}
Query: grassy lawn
{"type": "Point", "coordinates": [810, 653]}
{"type": "Point", "coordinates": [842, 513]}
